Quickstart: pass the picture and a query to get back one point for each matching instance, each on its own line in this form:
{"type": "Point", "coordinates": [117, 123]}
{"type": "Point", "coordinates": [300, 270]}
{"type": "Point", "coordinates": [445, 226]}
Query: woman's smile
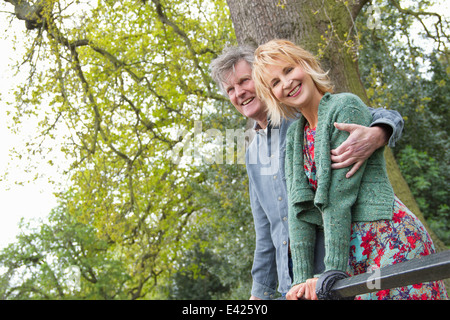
{"type": "Point", "coordinates": [296, 91]}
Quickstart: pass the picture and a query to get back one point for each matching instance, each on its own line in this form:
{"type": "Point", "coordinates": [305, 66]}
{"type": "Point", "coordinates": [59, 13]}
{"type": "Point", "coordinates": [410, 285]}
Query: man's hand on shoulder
{"type": "Point", "coordinates": [359, 146]}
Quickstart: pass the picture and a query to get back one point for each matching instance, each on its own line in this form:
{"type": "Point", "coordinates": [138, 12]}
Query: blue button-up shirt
{"type": "Point", "coordinates": [268, 196]}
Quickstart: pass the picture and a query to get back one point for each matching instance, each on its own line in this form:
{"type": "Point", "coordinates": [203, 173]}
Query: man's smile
{"type": "Point", "coordinates": [247, 101]}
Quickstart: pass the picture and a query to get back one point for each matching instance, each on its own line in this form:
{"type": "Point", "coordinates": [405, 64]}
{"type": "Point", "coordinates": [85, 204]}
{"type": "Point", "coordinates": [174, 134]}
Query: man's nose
{"type": "Point", "coordinates": [239, 90]}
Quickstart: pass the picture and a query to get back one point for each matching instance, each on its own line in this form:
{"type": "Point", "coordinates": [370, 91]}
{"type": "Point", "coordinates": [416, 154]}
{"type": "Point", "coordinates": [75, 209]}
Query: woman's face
{"type": "Point", "coordinates": [291, 85]}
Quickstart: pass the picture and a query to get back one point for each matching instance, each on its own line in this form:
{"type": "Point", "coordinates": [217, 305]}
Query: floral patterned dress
{"type": "Point", "coordinates": [381, 243]}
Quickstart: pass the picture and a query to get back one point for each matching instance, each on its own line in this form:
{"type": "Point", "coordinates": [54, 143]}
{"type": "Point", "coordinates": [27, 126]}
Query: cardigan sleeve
{"type": "Point", "coordinates": [288, 164]}
{"type": "Point", "coordinates": [302, 234]}
{"type": "Point", "coordinates": [342, 191]}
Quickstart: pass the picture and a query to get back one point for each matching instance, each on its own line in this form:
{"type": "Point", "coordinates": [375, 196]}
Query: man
{"type": "Point", "coordinates": [232, 71]}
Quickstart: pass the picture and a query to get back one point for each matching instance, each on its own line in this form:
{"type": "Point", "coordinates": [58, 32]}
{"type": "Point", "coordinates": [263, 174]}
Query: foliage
{"type": "Point", "coordinates": [401, 73]}
{"type": "Point", "coordinates": [219, 263]}
{"type": "Point", "coordinates": [430, 190]}
{"type": "Point", "coordinates": [122, 78]}
{"type": "Point", "coordinates": [197, 281]}
{"type": "Point", "coordinates": [122, 84]}
{"type": "Point", "coordinates": [38, 265]}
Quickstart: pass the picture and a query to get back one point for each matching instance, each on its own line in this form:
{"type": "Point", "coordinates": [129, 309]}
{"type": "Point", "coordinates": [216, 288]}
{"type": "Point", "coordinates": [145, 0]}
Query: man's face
{"type": "Point", "coordinates": [241, 91]}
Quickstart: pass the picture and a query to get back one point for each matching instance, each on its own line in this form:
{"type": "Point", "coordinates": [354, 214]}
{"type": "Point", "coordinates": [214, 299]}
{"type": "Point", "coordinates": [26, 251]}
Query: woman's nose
{"type": "Point", "coordinates": [287, 83]}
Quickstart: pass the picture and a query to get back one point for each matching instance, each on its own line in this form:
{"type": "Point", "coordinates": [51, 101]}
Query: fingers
{"type": "Point", "coordinates": [355, 150]}
{"type": "Point", "coordinates": [310, 291]}
{"type": "Point", "coordinates": [342, 149]}
{"type": "Point", "coordinates": [306, 290]}
{"type": "Point", "coordinates": [349, 127]}
{"type": "Point", "coordinates": [301, 291]}
{"type": "Point", "coordinates": [342, 161]}
{"type": "Point", "coordinates": [355, 168]}
{"type": "Point", "coordinates": [292, 294]}
{"type": "Point", "coordinates": [347, 163]}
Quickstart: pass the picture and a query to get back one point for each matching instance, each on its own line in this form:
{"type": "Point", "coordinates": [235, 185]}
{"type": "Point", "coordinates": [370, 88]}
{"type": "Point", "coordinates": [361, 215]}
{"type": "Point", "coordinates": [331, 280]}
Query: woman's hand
{"type": "Point", "coordinates": [292, 294]}
{"type": "Point", "coordinates": [306, 290]}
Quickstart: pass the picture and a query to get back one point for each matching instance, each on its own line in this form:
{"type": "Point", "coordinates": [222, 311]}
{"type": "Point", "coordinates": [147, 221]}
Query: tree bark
{"type": "Point", "coordinates": [320, 26]}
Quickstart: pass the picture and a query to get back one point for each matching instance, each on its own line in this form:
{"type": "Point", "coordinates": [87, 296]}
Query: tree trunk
{"type": "Point", "coordinates": [322, 27]}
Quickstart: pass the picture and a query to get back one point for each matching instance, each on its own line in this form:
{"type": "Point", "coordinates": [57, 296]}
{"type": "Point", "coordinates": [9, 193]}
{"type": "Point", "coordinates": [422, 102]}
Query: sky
{"type": "Point", "coordinates": [33, 200]}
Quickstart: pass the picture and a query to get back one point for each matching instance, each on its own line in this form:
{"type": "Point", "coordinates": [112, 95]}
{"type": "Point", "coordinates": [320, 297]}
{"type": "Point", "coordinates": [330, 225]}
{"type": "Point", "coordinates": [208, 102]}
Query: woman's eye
{"type": "Point", "coordinates": [274, 83]}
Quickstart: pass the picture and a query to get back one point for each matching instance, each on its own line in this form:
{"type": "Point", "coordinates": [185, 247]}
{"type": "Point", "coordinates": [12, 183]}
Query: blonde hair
{"type": "Point", "coordinates": [271, 53]}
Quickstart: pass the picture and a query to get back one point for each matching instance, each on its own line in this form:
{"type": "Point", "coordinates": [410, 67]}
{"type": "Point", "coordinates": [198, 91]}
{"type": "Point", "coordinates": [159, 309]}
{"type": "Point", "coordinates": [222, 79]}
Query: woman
{"type": "Point", "coordinates": [366, 226]}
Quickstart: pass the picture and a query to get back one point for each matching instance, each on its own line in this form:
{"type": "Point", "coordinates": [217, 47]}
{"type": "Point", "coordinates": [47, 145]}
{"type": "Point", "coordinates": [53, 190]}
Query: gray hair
{"type": "Point", "coordinates": [225, 62]}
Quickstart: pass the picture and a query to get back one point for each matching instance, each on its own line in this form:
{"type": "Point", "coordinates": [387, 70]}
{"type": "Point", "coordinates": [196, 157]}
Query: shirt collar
{"type": "Point", "coordinates": [260, 130]}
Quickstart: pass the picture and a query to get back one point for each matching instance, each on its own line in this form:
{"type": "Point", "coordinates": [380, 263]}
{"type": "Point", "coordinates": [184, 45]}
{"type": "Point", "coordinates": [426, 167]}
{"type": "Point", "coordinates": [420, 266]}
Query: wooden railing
{"type": "Point", "coordinates": [336, 285]}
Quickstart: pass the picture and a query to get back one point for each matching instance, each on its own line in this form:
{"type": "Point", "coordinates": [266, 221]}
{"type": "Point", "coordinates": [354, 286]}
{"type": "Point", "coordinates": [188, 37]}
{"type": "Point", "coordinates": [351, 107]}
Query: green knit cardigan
{"type": "Point", "coordinates": [338, 201]}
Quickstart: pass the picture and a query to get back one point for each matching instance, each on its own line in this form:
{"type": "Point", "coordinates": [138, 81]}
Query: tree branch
{"type": "Point", "coordinates": [439, 29]}
{"type": "Point", "coordinates": [356, 8]}
{"type": "Point", "coordinates": [165, 20]}
{"type": "Point", "coordinates": [31, 14]}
